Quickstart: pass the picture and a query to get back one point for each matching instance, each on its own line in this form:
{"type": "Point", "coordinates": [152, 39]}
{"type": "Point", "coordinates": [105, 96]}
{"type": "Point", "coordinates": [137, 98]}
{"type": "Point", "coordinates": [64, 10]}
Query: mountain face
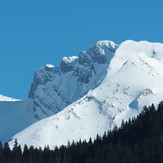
{"type": "Point", "coordinates": [119, 86]}
{"type": "Point", "coordinates": [15, 116]}
{"type": "Point", "coordinates": [55, 88]}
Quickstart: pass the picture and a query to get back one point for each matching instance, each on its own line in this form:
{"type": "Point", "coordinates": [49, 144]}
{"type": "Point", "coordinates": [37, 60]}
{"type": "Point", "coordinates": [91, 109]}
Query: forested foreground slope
{"type": "Point", "coordinates": [139, 140]}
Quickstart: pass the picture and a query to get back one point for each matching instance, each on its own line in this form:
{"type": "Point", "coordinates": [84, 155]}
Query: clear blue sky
{"type": "Point", "coordinates": [36, 32]}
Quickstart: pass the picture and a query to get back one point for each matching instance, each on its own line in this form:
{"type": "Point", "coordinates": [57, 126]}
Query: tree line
{"type": "Point", "coordinates": [139, 140]}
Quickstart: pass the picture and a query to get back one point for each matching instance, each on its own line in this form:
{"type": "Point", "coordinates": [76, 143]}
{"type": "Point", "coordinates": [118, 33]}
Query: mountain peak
{"type": "Point", "coordinates": [69, 59]}
{"type": "Point", "coordinates": [52, 89]}
{"type": "Point", "coordinates": [9, 99]}
{"type": "Point", "coordinates": [50, 66]}
{"type": "Point", "coordinates": [106, 43]}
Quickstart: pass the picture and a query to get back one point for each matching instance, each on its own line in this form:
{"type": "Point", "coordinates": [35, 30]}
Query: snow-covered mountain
{"type": "Point", "coordinates": [55, 88]}
{"type": "Point", "coordinates": [133, 79]}
{"type": "Point", "coordinates": [15, 115]}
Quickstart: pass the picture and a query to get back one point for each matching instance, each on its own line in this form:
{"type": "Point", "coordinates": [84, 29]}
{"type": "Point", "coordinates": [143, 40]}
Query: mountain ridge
{"type": "Point", "coordinates": [133, 79]}
{"type": "Point", "coordinates": [50, 89]}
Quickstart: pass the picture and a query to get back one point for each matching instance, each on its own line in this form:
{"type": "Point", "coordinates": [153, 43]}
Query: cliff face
{"type": "Point", "coordinates": [55, 88]}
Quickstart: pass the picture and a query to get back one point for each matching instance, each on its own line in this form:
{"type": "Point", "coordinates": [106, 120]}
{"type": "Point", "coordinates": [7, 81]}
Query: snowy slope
{"type": "Point", "coordinates": [5, 98]}
{"type": "Point", "coordinates": [15, 115]}
{"type": "Point", "coordinates": [133, 79]}
{"type": "Point", "coordinates": [55, 88]}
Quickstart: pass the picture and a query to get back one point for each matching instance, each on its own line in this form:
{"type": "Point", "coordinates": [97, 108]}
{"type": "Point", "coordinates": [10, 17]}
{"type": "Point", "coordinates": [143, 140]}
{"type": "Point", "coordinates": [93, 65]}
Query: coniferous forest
{"type": "Point", "coordinates": [139, 140]}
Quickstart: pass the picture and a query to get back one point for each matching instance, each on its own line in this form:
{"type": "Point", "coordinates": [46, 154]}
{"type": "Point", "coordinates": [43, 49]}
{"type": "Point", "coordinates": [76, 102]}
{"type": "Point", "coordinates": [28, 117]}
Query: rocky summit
{"type": "Point", "coordinates": [54, 88]}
